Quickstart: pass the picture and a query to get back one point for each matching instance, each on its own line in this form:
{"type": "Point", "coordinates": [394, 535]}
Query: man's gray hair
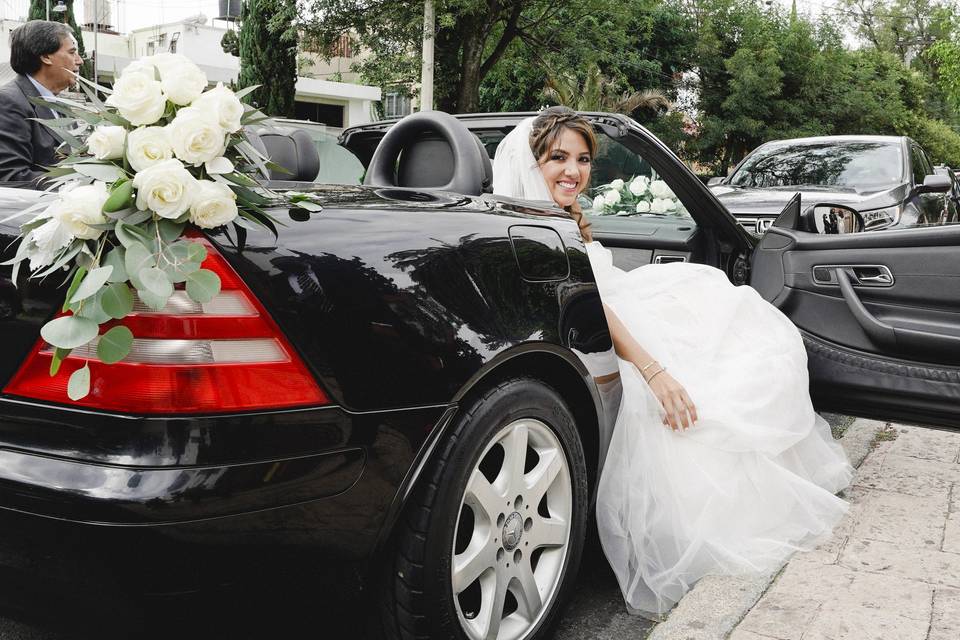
{"type": "Point", "coordinates": [34, 39]}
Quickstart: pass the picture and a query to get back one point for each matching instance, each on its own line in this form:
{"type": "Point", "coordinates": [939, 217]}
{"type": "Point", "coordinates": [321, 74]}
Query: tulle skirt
{"type": "Point", "coordinates": [753, 481]}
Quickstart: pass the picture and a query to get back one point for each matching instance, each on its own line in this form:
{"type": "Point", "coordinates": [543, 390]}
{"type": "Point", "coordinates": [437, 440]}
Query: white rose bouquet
{"type": "Point", "coordinates": [638, 196]}
{"type": "Point", "coordinates": [160, 153]}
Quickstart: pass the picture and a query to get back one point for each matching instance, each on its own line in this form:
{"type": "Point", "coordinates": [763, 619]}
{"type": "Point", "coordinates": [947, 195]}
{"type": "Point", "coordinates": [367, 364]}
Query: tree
{"type": "Point", "coordinates": [599, 93]}
{"type": "Point", "coordinates": [38, 11]}
{"type": "Point", "coordinates": [472, 37]}
{"type": "Point", "coordinates": [268, 54]}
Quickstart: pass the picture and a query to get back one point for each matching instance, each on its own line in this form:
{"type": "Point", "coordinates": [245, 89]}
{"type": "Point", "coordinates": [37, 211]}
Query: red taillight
{"type": "Point", "coordinates": [226, 355]}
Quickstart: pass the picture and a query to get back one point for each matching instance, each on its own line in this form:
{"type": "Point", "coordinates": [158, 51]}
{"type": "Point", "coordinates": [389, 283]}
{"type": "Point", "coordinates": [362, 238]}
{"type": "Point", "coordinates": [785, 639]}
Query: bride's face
{"type": "Point", "coordinates": [566, 167]}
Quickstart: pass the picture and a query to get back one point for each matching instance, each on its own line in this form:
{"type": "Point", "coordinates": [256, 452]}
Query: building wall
{"type": "Point", "coordinates": [201, 43]}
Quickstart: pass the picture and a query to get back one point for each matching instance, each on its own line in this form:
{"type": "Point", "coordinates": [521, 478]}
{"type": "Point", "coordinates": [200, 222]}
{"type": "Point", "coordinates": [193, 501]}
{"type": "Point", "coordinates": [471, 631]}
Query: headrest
{"type": "Point", "coordinates": [431, 150]}
{"type": "Point", "coordinates": [294, 150]}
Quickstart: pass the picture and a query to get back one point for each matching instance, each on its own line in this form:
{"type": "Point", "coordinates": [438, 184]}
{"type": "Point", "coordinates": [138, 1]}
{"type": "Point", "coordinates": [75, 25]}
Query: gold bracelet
{"type": "Point", "coordinates": [647, 366]}
{"type": "Point", "coordinates": [655, 374]}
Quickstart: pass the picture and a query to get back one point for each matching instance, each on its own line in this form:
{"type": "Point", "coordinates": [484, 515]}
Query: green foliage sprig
{"type": "Point", "coordinates": [158, 155]}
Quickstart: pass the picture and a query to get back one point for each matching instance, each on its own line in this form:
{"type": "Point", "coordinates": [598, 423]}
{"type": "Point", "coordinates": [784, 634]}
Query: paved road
{"type": "Point", "coordinates": [596, 611]}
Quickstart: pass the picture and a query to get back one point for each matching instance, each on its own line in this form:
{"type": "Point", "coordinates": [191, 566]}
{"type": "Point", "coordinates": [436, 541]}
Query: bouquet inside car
{"type": "Point", "coordinates": [150, 162]}
{"type": "Point", "coordinates": [640, 195]}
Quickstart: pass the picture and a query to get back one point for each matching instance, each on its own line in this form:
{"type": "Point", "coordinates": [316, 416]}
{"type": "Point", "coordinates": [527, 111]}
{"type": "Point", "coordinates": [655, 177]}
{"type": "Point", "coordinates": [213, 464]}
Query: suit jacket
{"type": "Point", "coordinates": [26, 146]}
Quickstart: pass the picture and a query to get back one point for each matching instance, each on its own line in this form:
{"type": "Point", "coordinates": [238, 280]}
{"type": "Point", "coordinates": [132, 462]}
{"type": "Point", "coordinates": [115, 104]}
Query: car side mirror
{"type": "Point", "coordinates": [716, 180]}
{"type": "Point", "coordinates": [935, 184]}
{"type": "Point", "coordinates": [832, 218]}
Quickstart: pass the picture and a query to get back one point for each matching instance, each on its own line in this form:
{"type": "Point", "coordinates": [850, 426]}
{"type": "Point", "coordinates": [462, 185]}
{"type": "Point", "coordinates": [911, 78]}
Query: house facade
{"type": "Point", "coordinates": [326, 92]}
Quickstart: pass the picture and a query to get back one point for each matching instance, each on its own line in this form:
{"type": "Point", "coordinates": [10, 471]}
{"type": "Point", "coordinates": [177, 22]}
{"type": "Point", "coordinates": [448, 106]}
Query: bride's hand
{"type": "Point", "coordinates": [680, 410]}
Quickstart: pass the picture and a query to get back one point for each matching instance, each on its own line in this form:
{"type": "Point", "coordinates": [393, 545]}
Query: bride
{"type": "Point", "coordinates": [717, 462]}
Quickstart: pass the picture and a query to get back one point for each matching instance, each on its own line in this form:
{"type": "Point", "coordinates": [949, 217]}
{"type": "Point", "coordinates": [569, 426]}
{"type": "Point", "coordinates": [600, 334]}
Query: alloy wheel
{"type": "Point", "coordinates": [513, 533]}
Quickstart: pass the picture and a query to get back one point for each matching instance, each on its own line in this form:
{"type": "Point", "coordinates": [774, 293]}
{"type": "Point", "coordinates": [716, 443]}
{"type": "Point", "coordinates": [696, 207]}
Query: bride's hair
{"type": "Point", "coordinates": [547, 127]}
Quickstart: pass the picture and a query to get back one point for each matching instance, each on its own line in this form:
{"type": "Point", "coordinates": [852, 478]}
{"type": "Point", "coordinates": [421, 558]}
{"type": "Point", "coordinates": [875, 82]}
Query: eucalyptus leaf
{"type": "Point", "coordinates": [59, 355]}
{"type": "Point", "coordinates": [137, 258]}
{"type": "Point", "coordinates": [137, 217]}
{"type": "Point", "coordinates": [92, 309]}
{"type": "Point", "coordinates": [156, 281]}
{"type": "Point", "coordinates": [155, 302]}
{"type": "Point", "coordinates": [92, 283]}
{"type": "Point", "coordinates": [69, 332]}
{"type": "Point", "coordinates": [74, 285]}
{"type": "Point", "coordinates": [106, 172]}
{"type": "Point", "coordinates": [169, 230]}
{"type": "Point", "coordinates": [203, 285]}
{"type": "Point", "coordinates": [241, 179]}
{"type": "Point", "coordinates": [129, 234]}
{"type": "Point", "coordinates": [78, 386]}
{"type": "Point", "coordinates": [196, 252]}
{"type": "Point", "coordinates": [117, 300]}
{"type": "Point", "coordinates": [114, 345]}
{"type": "Point", "coordinates": [115, 258]}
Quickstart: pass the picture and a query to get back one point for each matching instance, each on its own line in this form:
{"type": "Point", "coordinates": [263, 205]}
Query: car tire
{"type": "Point", "coordinates": [492, 539]}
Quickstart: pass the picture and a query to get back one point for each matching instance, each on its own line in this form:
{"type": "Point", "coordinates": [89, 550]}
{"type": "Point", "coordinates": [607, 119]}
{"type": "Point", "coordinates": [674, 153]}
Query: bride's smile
{"type": "Point", "coordinates": [566, 167]}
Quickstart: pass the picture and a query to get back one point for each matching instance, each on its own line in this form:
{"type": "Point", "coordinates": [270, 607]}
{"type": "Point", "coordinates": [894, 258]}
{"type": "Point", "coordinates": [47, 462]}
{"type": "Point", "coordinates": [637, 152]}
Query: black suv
{"type": "Point", "coordinates": [889, 180]}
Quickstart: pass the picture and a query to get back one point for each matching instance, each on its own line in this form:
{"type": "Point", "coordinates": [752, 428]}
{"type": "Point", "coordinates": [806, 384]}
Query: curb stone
{"type": "Point", "coordinates": [712, 609]}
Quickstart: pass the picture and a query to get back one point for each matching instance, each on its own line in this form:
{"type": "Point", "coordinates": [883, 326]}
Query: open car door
{"type": "Point", "coordinates": [879, 313]}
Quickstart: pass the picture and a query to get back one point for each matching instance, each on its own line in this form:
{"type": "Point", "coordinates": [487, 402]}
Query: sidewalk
{"type": "Point", "coordinates": [890, 571]}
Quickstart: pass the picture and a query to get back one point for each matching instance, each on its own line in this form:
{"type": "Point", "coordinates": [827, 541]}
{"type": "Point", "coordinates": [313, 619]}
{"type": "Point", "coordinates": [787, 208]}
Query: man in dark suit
{"type": "Point", "coordinates": [44, 55]}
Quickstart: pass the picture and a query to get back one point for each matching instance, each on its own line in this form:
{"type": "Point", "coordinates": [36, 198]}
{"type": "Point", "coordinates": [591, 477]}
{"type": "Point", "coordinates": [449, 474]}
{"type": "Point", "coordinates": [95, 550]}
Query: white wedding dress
{"type": "Point", "coordinates": [754, 479]}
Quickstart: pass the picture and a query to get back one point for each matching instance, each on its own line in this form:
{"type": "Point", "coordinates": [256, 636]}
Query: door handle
{"type": "Point", "coordinates": [877, 279]}
{"type": "Point", "coordinates": [859, 275]}
{"type": "Point", "coordinates": [891, 335]}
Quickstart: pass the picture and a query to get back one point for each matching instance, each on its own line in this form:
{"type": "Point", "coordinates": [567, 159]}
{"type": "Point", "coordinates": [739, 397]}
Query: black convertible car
{"type": "Point", "coordinates": [387, 403]}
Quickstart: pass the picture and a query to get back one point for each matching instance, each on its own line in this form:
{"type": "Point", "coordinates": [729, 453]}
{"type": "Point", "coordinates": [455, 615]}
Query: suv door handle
{"type": "Point", "coordinates": [882, 279]}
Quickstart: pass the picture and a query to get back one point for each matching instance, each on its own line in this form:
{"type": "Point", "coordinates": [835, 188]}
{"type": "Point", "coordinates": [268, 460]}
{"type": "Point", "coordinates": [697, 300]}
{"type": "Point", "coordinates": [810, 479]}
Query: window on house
{"type": "Point", "coordinates": [173, 41]}
{"type": "Point", "coordinates": [396, 105]}
{"type": "Point", "coordinates": [151, 48]}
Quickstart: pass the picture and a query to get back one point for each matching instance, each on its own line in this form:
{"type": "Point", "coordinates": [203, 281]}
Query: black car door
{"type": "Point", "coordinates": [880, 315]}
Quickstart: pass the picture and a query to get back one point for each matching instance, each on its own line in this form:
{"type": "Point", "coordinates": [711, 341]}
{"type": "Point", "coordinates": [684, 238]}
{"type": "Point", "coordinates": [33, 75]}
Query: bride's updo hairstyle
{"type": "Point", "coordinates": [547, 127]}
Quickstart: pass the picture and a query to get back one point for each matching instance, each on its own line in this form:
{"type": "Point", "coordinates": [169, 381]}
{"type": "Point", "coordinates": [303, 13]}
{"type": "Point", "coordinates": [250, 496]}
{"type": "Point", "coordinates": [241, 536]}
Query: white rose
{"type": "Point", "coordinates": [659, 205]}
{"type": "Point", "coordinates": [196, 136]}
{"type": "Point", "coordinates": [598, 202]}
{"type": "Point", "coordinates": [672, 204]}
{"type": "Point", "coordinates": [617, 184]}
{"type": "Point", "coordinates": [165, 188]}
{"type": "Point", "coordinates": [659, 189]}
{"type": "Point", "coordinates": [139, 98]}
{"type": "Point", "coordinates": [147, 146]}
{"type": "Point", "coordinates": [106, 142]}
{"type": "Point", "coordinates": [143, 65]}
{"type": "Point", "coordinates": [643, 206]}
{"type": "Point", "coordinates": [638, 186]}
{"type": "Point", "coordinates": [213, 204]}
{"type": "Point", "coordinates": [81, 207]}
{"type": "Point", "coordinates": [181, 80]}
{"type": "Point", "coordinates": [611, 197]}
{"type": "Point", "coordinates": [224, 103]}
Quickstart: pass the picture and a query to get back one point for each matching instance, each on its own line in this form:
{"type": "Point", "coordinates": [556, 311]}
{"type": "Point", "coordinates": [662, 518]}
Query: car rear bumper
{"type": "Point", "coordinates": [128, 511]}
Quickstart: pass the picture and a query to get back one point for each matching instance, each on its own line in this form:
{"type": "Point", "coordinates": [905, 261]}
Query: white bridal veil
{"type": "Point", "coordinates": [515, 170]}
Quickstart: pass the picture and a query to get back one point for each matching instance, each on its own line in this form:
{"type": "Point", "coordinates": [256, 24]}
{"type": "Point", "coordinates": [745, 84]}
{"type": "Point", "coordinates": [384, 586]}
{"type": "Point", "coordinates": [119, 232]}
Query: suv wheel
{"type": "Point", "coordinates": [493, 539]}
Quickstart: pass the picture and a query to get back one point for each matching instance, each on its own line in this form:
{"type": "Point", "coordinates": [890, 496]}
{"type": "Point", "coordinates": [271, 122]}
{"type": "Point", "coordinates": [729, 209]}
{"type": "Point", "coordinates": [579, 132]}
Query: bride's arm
{"type": "Point", "coordinates": [680, 410]}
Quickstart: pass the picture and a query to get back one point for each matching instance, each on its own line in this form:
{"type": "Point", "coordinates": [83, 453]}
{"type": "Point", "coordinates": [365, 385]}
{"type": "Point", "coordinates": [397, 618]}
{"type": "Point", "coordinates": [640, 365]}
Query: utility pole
{"type": "Point", "coordinates": [426, 71]}
{"type": "Point", "coordinates": [96, 30]}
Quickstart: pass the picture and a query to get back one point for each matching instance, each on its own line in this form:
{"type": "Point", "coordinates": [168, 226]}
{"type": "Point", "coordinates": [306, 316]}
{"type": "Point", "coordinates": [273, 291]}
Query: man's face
{"type": "Point", "coordinates": [62, 64]}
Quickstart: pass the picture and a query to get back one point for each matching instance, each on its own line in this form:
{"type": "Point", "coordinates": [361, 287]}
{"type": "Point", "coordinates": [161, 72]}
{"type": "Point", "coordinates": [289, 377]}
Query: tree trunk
{"type": "Point", "coordinates": [468, 97]}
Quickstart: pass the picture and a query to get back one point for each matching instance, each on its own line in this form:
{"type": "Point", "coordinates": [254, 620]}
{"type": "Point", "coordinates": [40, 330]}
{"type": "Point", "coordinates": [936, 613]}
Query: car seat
{"type": "Point", "coordinates": [292, 149]}
{"type": "Point", "coordinates": [431, 150]}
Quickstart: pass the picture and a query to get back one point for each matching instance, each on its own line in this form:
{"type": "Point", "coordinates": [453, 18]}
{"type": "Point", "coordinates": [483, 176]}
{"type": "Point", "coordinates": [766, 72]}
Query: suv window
{"type": "Point", "coordinates": [921, 167]}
